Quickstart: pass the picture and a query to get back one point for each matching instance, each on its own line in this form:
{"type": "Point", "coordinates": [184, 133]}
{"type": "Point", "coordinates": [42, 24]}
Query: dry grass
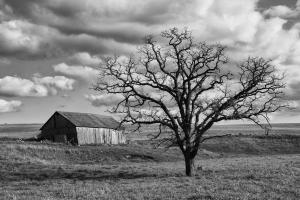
{"type": "Point", "coordinates": [19, 130]}
{"type": "Point", "coordinates": [52, 171]}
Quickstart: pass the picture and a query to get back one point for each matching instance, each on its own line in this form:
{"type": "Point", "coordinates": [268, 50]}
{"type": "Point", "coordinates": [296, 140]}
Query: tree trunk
{"type": "Point", "coordinates": [189, 165]}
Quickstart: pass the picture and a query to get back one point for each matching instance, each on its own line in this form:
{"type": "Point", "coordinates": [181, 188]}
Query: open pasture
{"type": "Point", "coordinates": [31, 130]}
{"type": "Point", "coordinates": [233, 129]}
{"type": "Point", "coordinates": [267, 168]}
{"type": "Point", "coordinates": [19, 130]}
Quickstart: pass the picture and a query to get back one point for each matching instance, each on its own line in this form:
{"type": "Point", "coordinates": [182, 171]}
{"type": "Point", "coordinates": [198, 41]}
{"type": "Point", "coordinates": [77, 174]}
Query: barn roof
{"type": "Point", "coordinates": [90, 120]}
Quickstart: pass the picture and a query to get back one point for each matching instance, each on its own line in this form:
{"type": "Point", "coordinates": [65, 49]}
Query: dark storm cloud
{"type": "Point", "coordinates": [22, 39]}
{"type": "Point", "coordinates": [50, 28]}
{"type": "Point", "coordinates": [118, 34]}
{"type": "Point", "coordinates": [102, 19]}
{"type": "Point", "coordinates": [65, 9]}
{"type": "Point", "coordinates": [58, 27]}
{"type": "Point", "coordinates": [32, 8]}
{"type": "Point", "coordinates": [94, 45]}
{"type": "Point", "coordinates": [23, 9]}
{"type": "Point", "coordinates": [73, 17]}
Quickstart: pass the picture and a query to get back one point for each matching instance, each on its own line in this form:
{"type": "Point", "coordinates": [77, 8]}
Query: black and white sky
{"type": "Point", "coordinates": [50, 49]}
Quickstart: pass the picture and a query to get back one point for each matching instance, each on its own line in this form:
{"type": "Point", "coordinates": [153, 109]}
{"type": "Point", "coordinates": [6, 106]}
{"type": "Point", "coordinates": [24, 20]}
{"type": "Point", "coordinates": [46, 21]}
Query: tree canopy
{"type": "Point", "coordinates": [187, 86]}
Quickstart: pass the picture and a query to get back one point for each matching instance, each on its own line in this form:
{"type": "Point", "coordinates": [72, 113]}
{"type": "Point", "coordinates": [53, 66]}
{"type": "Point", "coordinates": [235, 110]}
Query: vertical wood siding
{"type": "Point", "coordinates": [59, 129]}
{"type": "Point", "coordinates": [99, 136]}
{"type": "Point", "coordinates": [57, 121]}
{"type": "Point", "coordinates": [60, 134]}
{"type": "Point", "coordinates": [60, 138]}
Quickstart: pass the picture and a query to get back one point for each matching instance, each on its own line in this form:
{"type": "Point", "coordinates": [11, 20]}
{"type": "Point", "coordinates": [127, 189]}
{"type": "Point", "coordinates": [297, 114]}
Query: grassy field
{"type": "Point", "coordinates": [235, 129]}
{"type": "Point", "coordinates": [247, 167]}
{"type": "Point", "coordinates": [19, 130]}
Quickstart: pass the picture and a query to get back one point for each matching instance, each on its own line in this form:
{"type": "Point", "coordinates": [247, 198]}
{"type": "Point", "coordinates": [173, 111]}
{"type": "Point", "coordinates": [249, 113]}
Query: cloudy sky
{"type": "Point", "coordinates": [50, 49]}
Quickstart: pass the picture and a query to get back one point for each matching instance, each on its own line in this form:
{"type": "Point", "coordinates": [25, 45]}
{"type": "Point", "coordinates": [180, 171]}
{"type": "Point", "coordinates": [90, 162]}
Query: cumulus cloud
{"type": "Point", "coordinates": [280, 11]}
{"type": "Point", "coordinates": [38, 87]}
{"type": "Point", "coordinates": [14, 38]}
{"type": "Point", "coordinates": [103, 100]}
{"type": "Point", "coordinates": [54, 83]}
{"type": "Point", "coordinates": [9, 106]}
{"type": "Point", "coordinates": [92, 28]}
{"type": "Point", "coordinates": [84, 31]}
{"type": "Point", "coordinates": [81, 65]}
{"type": "Point", "coordinates": [283, 11]}
{"type": "Point", "coordinates": [86, 73]}
{"type": "Point", "coordinates": [84, 58]}
{"type": "Point", "coordinates": [16, 86]}
{"type": "Point", "coordinates": [293, 57]}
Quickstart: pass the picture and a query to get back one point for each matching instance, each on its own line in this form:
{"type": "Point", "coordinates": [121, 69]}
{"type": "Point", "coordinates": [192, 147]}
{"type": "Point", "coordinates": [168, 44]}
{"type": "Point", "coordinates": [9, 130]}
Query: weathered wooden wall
{"type": "Point", "coordinates": [59, 129]}
{"type": "Point", "coordinates": [99, 136]}
{"type": "Point", "coordinates": [57, 121]}
{"type": "Point", "coordinates": [58, 134]}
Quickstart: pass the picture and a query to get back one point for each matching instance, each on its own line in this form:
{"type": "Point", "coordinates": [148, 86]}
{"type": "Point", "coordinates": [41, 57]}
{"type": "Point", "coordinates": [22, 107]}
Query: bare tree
{"type": "Point", "coordinates": [188, 86]}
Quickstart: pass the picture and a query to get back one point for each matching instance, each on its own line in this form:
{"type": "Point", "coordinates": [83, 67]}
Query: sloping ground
{"type": "Point", "coordinates": [67, 154]}
{"type": "Point", "coordinates": [32, 170]}
{"type": "Point", "coordinates": [283, 144]}
{"type": "Point", "coordinates": [248, 177]}
{"type": "Point", "coordinates": [246, 144]}
{"type": "Point", "coordinates": [143, 151]}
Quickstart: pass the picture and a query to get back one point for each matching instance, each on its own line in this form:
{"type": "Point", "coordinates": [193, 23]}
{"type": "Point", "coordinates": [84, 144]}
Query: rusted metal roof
{"type": "Point", "coordinates": [90, 120]}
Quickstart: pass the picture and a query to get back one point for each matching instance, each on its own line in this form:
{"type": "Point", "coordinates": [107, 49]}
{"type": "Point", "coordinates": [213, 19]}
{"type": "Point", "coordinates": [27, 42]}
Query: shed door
{"type": "Point", "coordinates": [60, 138]}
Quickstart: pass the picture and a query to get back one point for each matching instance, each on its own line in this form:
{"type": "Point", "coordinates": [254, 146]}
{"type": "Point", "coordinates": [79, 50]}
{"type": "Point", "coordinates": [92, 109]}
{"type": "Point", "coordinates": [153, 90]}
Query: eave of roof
{"type": "Point", "coordinates": [88, 120]}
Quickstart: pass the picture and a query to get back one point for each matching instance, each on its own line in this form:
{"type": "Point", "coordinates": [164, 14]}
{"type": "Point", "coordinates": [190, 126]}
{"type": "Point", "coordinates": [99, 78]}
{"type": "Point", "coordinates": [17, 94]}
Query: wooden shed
{"type": "Point", "coordinates": [82, 128]}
